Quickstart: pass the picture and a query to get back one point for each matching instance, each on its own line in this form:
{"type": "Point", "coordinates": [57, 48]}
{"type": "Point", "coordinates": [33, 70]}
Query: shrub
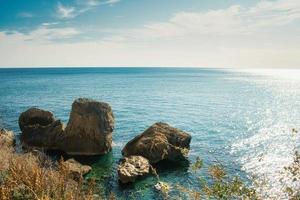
{"type": "Point", "coordinates": [29, 176]}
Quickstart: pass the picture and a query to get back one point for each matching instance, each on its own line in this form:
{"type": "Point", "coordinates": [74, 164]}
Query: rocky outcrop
{"type": "Point", "coordinates": [89, 130]}
{"type": "Point", "coordinates": [40, 129]}
{"type": "Point", "coordinates": [133, 167]}
{"type": "Point", "coordinates": [7, 138]}
{"type": "Point", "coordinates": [76, 170]}
{"type": "Point", "coordinates": [159, 142]}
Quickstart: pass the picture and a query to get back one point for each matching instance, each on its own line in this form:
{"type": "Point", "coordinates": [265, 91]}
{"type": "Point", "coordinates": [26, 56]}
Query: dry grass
{"type": "Point", "coordinates": [217, 172]}
{"type": "Point", "coordinates": [28, 176]}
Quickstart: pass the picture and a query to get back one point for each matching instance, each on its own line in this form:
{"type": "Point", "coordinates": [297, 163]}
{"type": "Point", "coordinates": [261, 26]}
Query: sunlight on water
{"type": "Point", "coordinates": [265, 155]}
{"type": "Point", "coordinates": [273, 142]}
{"type": "Point", "coordinates": [292, 74]}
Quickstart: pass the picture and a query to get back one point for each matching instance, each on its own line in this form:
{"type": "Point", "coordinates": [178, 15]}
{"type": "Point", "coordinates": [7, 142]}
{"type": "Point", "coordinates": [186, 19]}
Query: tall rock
{"type": "Point", "coordinates": [159, 142]}
{"type": "Point", "coordinates": [40, 129]}
{"type": "Point", "coordinates": [89, 130]}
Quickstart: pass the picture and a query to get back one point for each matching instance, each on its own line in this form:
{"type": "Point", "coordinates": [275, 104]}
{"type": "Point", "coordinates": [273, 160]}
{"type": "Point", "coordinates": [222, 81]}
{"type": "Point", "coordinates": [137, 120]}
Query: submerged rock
{"type": "Point", "coordinates": [159, 142]}
{"type": "Point", "coordinates": [76, 169]}
{"type": "Point", "coordinates": [40, 129]}
{"type": "Point", "coordinates": [89, 130]}
{"type": "Point", "coordinates": [132, 167]}
{"type": "Point", "coordinates": [7, 138]}
{"type": "Point", "coordinates": [163, 187]}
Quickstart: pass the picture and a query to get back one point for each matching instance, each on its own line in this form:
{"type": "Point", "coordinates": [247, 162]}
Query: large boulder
{"type": "Point", "coordinates": [7, 138]}
{"type": "Point", "coordinates": [40, 129]}
{"type": "Point", "coordinates": [133, 167]}
{"type": "Point", "coordinates": [159, 142]}
{"type": "Point", "coordinates": [89, 130]}
{"type": "Point", "coordinates": [75, 169]}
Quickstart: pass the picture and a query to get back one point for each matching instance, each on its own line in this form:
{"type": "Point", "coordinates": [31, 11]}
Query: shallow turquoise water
{"type": "Point", "coordinates": [234, 117]}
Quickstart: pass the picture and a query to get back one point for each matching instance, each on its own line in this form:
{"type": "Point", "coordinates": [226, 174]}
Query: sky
{"type": "Point", "coordinates": [154, 33]}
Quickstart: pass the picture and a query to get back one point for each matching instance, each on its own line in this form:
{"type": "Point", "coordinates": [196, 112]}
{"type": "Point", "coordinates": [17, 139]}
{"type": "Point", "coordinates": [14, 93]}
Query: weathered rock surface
{"type": "Point", "coordinates": [132, 167]}
{"type": "Point", "coordinates": [76, 169]}
{"type": "Point", "coordinates": [40, 129]}
{"type": "Point", "coordinates": [159, 142]}
{"type": "Point", "coordinates": [89, 130]}
{"type": "Point", "coordinates": [7, 138]}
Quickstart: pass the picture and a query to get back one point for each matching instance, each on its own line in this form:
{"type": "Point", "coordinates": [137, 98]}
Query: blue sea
{"type": "Point", "coordinates": [240, 118]}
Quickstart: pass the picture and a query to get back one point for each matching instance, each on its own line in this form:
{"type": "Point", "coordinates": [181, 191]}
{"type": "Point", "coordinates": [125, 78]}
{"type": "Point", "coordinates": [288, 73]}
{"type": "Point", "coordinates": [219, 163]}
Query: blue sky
{"type": "Point", "coordinates": [192, 33]}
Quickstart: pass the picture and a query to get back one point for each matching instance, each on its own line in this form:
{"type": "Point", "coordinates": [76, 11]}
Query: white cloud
{"type": "Point", "coordinates": [93, 3]}
{"type": "Point", "coordinates": [111, 1]}
{"type": "Point", "coordinates": [265, 35]}
{"type": "Point", "coordinates": [49, 23]}
{"type": "Point", "coordinates": [80, 7]}
{"type": "Point", "coordinates": [25, 15]}
{"type": "Point", "coordinates": [65, 11]}
{"type": "Point", "coordinates": [46, 34]}
{"type": "Point", "coordinates": [235, 20]}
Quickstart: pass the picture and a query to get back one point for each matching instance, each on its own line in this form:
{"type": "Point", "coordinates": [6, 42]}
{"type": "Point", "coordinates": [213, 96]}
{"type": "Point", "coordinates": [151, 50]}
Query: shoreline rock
{"type": "Point", "coordinates": [40, 129]}
{"type": "Point", "coordinates": [89, 130]}
{"type": "Point", "coordinates": [133, 167]}
{"type": "Point", "coordinates": [89, 133]}
{"type": "Point", "coordinates": [76, 169]}
{"type": "Point", "coordinates": [159, 142]}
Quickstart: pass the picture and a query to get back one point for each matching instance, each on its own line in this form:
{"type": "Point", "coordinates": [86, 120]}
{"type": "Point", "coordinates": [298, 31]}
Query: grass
{"type": "Point", "coordinates": [36, 177]}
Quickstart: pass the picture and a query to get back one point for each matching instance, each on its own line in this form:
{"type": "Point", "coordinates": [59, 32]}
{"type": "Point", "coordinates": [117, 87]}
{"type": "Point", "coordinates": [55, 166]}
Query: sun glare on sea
{"type": "Point", "coordinates": [292, 74]}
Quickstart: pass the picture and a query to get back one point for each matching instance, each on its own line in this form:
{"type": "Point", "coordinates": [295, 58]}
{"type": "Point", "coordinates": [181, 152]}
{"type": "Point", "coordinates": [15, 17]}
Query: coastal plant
{"type": "Point", "coordinates": [36, 177]}
{"type": "Point", "coordinates": [293, 171]}
{"type": "Point", "coordinates": [218, 185]}
{"type": "Point", "coordinates": [197, 164]}
{"type": "Point", "coordinates": [164, 188]}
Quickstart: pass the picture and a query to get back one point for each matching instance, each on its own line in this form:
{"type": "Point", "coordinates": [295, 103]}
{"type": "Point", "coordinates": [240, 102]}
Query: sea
{"type": "Point", "coordinates": [244, 120]}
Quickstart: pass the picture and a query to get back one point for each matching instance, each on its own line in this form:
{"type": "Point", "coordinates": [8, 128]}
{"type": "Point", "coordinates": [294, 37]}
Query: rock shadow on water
{"type": "Point", "coordinates": [164, 166]}
{"type": "Point", "coordinates": [103, 160]}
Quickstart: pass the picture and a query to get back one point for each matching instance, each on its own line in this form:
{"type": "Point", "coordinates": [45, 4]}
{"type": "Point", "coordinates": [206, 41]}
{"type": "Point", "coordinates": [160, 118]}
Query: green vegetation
{"type": "Point", "coordinates": [217, 186]}
{"type": "Point", "coordinates": [220, 185]}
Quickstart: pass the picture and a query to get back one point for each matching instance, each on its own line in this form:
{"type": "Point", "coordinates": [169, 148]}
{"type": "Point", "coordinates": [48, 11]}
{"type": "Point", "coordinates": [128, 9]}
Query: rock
{"type": "Point", "coordinates": [76, 170]}
{"type": "Point", "coordinates": [159, 142]}
{"type": "Point", "coordinates": [7, 138]}
{"type": "Point", "coordinates": [40, 129]}
{"type": "Point", "coordinates": [163, 187]}
{"type": "Point", "coordinates": [89, 130]}
{"type": "Point", "coordinates": [132, 167]}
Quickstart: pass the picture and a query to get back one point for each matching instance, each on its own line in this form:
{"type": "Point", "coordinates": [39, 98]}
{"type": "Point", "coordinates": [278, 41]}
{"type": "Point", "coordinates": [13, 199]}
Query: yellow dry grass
{"type": "Point", "coordinates": [29, 176]}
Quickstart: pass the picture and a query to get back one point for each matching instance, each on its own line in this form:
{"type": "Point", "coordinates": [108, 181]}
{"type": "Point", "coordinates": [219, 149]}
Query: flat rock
{"type": "Point", "coordinates": [159, 142]}
{"type": "Point", "coordinates": [133, 167]}
{"type": "Point", "coordinates": [89, 130]}
{"type": "Point", "coordinates": [40, 129]}
{"type": "Point", "coordinates": [76, 169]}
